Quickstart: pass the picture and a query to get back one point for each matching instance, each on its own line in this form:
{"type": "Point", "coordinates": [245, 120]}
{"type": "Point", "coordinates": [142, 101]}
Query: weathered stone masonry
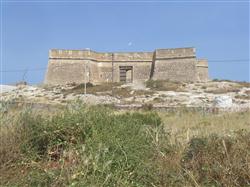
{"type": "Point", "coordinates": [180, 64]}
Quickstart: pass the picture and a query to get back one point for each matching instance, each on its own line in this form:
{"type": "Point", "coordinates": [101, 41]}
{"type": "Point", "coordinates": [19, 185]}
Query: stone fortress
{"type": "Point", "coordinates": [79, 66]}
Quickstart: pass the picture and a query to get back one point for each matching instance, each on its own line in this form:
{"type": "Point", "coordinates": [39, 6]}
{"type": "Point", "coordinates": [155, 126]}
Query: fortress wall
{"type": "Point", "coordinates": [67, 54]}
{"type": "Point", "coordinates": [175, 64]}
{"type": "Point", "coordinates": [100, 57]}
{"type": "Point", "coordinates": [105, 73]}
{"type": "Point", "coordinates": [141, 71]}
{"type": "Point", "coordinates": [68, 71]}
{"type": "Point", "coordinates": [64, 71]}
{"type": "Point", "coordinates": [179, 64]}
{"type": "Point", "coordinates": [93, 71]}
{"type": "Point", "coordinates": [122, 57]}
{"type": "Point", "coordinates": [175, 70]}
{"type": "Point", "coordinates": [139, 56]}
{"type": "Point", "coordinates": [202, 70]}
{"type": "Point", "coordinates": [175, 53]}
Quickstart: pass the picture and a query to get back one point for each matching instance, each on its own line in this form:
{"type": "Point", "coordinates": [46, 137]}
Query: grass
{"type": "Point", "coordinates": [163, 85]}
{"type": "Point", "coordinates": [223, 90]}
{"type": "Point", "coordinates": [235, 86]}
{"type": "Point", "coordinates": [97, 146]}
{"type": "Point", "coordinates": [246, 97]}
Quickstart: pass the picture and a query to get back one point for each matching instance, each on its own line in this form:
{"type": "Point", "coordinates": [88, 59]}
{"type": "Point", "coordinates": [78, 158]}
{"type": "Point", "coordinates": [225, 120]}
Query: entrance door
{"type": "Point", "coordinates": [126, 74]}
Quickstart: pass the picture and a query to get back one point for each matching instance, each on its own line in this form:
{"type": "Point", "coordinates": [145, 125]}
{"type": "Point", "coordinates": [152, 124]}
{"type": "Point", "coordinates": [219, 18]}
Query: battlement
{"type": "Point", "coordinates": [175, 53]}
{"type": "Point", "coordinates": [122, 56]}
{"type": "Point", "coordinates": [202, 63]}
{"type": "Point", "coordinates": [100, 57]}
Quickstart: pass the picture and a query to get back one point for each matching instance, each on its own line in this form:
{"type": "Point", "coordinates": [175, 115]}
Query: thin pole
{"type": "Point", "coordinates": [85, 79]}
{"type": "Point", "coordinates": [112, 74]}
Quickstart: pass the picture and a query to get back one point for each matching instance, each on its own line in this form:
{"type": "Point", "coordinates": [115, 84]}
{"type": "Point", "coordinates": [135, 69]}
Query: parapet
{"type": "Point", "coordinates": [101, 57]}
{"type": "Point", "coordinates": [68, 54]}
{"type": "Point", "coordinates": [201, 63]}
{"type": "Point", "coordinates": [175, 53]}
{"type": "Point", "coordinates": [159, 54]}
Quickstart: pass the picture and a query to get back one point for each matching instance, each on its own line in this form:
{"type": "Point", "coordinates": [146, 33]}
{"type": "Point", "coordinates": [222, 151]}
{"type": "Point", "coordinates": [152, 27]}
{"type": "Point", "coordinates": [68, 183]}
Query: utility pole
{"type": "Point", "coordinates": [112, 74]}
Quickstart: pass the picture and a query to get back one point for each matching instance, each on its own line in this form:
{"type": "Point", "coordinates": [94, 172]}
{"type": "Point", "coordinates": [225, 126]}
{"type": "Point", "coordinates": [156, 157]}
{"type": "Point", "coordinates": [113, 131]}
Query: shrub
{"type": "Point", "coordinates": [147, 106]}
{"type": "Point", "coordinates": [91, 146]}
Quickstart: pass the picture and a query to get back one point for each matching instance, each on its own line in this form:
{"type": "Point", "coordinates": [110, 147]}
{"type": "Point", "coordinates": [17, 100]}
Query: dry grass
{"type": "Point", "coordinates": [223, 90]}
{"type": "Point", "coordinates": [229, 86]}
{"type": "Point", "coordinates": [245, 97]}
{"type": "Point", "coordinates": [244, 84]}
{"type": "Point", "coordinates": [209, 149]}
{"type": "Point", "coordinates": [185, 125]}
{"type": "Point", "coordinates": [163, 85]}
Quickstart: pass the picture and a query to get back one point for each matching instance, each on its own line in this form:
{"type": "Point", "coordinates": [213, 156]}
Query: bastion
{"type": "Point", "coordinates": [79, 66]}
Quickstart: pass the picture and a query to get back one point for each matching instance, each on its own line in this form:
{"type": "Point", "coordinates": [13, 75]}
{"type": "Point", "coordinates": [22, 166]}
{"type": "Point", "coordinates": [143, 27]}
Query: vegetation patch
{"type": "Point", "coordinates": [87, 147]}
{"type": "Point", "coordinates": [163, 85]}
{"type": "Point", "coordinates": [246, 97]}
{"type": "Point", "coordinates": [223, 90]}
{"type": "Point", "coordinates": [97, 146]}
{"type": "Point", "coordinates": [218, 161]}
{"type": "Point", "coordinates": [114, 89]}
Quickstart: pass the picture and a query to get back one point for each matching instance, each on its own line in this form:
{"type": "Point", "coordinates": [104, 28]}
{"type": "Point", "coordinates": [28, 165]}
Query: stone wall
{"type": "Point", "coordinates": [140, 71]}
{"type": "Point", "coordinates": [202, 70]}
{"type": "Point", "coordinates": [64, 71]}
{"type": "Point", "coordinates": [175, 53]}
{"type": "Point", "coordinates": [101, 57]}
{"type": "Point", "coordinates": [67, 66]}
{"type": "Point", "coordinates": [68, 71]}
{"type": "Point", "coordinates": [175, 65]}
{"type": "Point", "coordinates": [175, 70]}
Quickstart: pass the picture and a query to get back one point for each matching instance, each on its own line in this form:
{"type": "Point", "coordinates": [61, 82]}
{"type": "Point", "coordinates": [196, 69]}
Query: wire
{"type": "Point", "coordinates": [237, 60]}
{"type": "Point", "coordinates": [22, 70]}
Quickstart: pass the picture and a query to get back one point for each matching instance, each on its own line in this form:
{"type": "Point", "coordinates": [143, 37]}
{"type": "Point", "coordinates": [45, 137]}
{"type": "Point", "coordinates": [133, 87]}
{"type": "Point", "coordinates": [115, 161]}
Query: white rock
{"type": "Point", "coordinates": [6, 88]}
{"type": "Point", "coordinates": [223, 101]}
{"type": "Point", "coordinates": [30, 89]}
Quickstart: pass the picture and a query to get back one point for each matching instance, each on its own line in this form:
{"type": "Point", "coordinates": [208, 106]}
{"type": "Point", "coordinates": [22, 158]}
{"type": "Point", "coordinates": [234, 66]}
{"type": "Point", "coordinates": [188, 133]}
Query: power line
{"type": "Point", "coordinates": [237, 60]}
{"type": "Point", "coordinates": [22, 70]}
{"type": "Point", "coordinates": [45, 68]}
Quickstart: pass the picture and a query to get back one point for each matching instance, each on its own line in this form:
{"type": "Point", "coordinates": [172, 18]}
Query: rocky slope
{"type": "Point", "coordinates": [230, 96]}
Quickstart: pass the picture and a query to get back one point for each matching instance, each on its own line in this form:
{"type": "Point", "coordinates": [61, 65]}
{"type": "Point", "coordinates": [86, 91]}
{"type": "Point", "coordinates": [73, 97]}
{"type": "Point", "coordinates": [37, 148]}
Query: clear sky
{"type": "Point", "coordinates": [218, 30]}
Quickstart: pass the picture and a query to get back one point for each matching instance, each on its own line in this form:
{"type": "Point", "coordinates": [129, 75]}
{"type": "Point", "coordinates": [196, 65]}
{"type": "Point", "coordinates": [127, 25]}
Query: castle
{"type": "Point", "coordinates": [78, 66]}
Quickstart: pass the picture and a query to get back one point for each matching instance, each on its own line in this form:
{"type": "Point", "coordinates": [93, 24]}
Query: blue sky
{"type": "Point", "coordinates": [218, 30]}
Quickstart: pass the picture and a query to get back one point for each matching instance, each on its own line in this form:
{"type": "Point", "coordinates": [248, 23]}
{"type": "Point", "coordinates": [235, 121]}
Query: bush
{"type": "Point", "coordinates": [92, 146]}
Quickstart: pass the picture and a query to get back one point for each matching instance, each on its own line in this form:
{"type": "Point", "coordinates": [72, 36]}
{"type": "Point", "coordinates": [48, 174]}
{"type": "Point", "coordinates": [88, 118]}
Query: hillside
{"type": "Point", "coordinates": [57, 136]}
{"type": "Point", "coordinates": [158, 94]}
